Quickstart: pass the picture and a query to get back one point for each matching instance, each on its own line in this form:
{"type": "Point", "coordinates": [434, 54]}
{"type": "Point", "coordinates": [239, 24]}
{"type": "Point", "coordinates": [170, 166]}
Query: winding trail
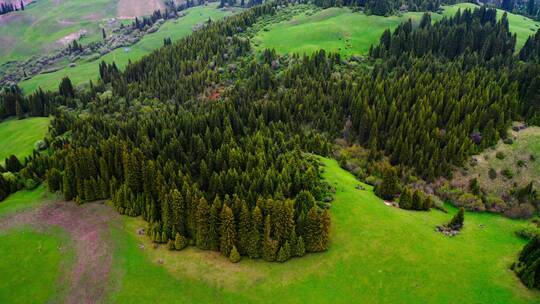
{"type": "Point", "coordinates": [88, 229]}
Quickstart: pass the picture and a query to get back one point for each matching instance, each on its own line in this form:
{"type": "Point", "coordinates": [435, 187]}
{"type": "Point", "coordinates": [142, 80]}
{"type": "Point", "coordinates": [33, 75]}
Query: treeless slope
{"type": "Point", "coordinates": [128, 9]}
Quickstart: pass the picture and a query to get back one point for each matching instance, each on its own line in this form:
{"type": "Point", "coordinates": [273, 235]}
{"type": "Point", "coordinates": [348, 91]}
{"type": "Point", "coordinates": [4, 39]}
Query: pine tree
{"type": "Point", "coordinates": [270, 246]}
{"type": "Point", "coordinates": [300, 249]}
{"type": "Point", "coordinates": [405, 199]}
{"type": "Point", "coordinates": [203, 225]}
{"type": "Point", "coordinates": [390, 184]}
{"type": "Point", "coordinates": [457, 221]}
{"type": "Point", "coordinates": [214, 224]}
{"type": "Point", "coordinates": [234, 257]}
{"type": "Point", "coordinates": [228, 231]}
{"type": "Point", "coordinates": [417, 201]}
{"type": "Point", "coordinates": [244, 225]}
{"type": "Point", "coordinates": [284, 253]}
{"type": "Point", "coordinates": [255, 233]}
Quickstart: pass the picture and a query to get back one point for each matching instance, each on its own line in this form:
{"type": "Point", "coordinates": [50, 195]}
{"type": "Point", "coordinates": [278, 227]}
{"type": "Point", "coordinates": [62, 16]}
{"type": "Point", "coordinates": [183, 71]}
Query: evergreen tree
{"type": "Point", "coordinates": [228, 231]}
{"type": "Point", "coordinates": [457, 221]}
{"type": "Point", "coordinates": [389, 186]}
{"type": "Point", "coordinates": [204, 239]}
{"type": "Point", "coordinates": [284, 253]}
{"type": "Point", "coordinates": [234, 257]}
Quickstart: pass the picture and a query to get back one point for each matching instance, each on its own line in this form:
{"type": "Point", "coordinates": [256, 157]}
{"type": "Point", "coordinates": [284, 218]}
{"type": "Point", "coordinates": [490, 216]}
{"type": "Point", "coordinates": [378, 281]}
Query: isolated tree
{"type": "Point", "coordinates": [103, 33]}
{"type": "Point", "coordinates": [66, 88]}
{"type": "Point", "coordinates": [457, 221]}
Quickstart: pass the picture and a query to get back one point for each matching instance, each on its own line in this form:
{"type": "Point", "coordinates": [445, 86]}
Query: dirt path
{"type": "Point", "coordinates": [88, 229]}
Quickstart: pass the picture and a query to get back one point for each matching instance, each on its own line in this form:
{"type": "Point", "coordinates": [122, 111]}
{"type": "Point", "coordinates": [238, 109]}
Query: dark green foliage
{"type": "Point", "coordinates": [389, 187]}
{"type": "Point", "coordinates": [284, 252]}
{"type": "Point", "coordinates": [492, 173]}
{"type": "Point", "coordinates": [13, 164]}
{"type": "Point", "coordinates": [228, 231]}
{"type": "Point", "coordinates": [475, 31]}
{"type": "Point", "coordinates": [528, 265]}
{"type": "Point", "coordinates": [457, 221]}
{"type": "Point", "coordinates": [382, 7]}
{"type": "Point", "coordinates": [474, 186]}
{"type": "Point", "coordinates": [66, 88]}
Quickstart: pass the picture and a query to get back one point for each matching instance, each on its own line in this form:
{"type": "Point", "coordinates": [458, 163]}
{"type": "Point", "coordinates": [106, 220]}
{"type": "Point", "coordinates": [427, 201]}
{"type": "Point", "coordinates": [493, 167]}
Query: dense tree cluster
{"type": "Point", "coordinates": [531, 49]}
{"type": "Point", "coordinates": [528, 265]}
{"type": "Point", "coordinates": [469, 31]}
{"type": "Point", "coordinates": [384, 7]}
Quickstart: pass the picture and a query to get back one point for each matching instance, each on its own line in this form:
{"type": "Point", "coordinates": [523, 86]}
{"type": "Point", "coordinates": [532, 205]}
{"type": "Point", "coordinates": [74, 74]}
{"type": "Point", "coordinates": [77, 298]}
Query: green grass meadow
{"type": "Point", "coordinates": [44, 22]}
{"type": "Point", "coordinates": [85, 71]}
{"type": "Point", "coordinates": [349, 33]}
{"type": "Point", "coordinates": [19, 136]}
{"type": "Point", "coordinates": [378, 254]}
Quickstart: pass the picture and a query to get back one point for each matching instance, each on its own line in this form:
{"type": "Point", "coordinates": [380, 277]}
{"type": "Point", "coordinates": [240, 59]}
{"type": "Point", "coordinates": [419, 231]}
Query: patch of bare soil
{"type": "Point", "coordinates": [71, 37]}
{"type": "Point", "coordinates": [88, 229]}
{"type": "Point", "coordinates": [129, 9]}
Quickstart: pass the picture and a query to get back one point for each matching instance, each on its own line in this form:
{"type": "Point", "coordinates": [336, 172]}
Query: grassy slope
{"type": "Point", "coordinates": [85, 71]}
{"type": "Point", "coordinates": [526, 143]}
{"type": "Point", "coordinates": [19, 136]}
{"type": "Point", "coordinates": [378, 254]}
{"type": "Point", "coordinates": [30, 266]}
{"type": "Point", "coordinates": [29, 33]}
{"type": "Point", "coordinates": [31, 263]}
{"type": "Point", "coordinates": [341, 30]}
{"type": "Point", "coordinates": [22, 200]}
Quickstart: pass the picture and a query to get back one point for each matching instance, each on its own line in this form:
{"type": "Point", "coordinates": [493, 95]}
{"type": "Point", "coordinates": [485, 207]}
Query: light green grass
{"type": "Point", "coordinates": [348, 33]}
{"type": "Point", "coordinates": [22, 200]}
{"type": "Point", "coordinates": [43, 23]}
{"type": "Point", "coordinates": [378, 254]}
{"type": "Point", "coordinates": [31, 266]}
{"type": "Point", "coordinates": [334, 29]}
{"type": "Point", "coordinates": [18, 137]}
{"type": "Point", "coordinates": [85, 71]}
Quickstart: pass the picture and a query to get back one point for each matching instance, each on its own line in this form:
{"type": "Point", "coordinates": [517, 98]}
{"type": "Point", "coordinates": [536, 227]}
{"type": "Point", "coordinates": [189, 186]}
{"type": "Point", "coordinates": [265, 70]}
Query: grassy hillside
{"type": "Point", "coordinates": [377, 254]}
{"type": "Point", "coordinates": [84, 71]}
{"type": "Point", "coordinates": [347, 32]}
{"type": "Point", "coordinates": [43, 23]}
{"type": "Point", "coordinates": [515, 157]}
{"type": "Point", "coordinates": [19, 136]}
{"type": "Point", "coordinates": [31, 266]}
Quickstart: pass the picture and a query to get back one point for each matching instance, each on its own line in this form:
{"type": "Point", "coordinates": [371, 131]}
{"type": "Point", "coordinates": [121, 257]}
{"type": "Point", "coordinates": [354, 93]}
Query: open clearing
{"type": "Point", "coordinates": [19, 136]}
{"type": "Point", "coordinates": [45, 22]}
{"type": "Point", "coordinates": [85, 71]}
{"type": "Point", "coordinates": [349, 33]}
{"type": "Point", "coordinates": [129, 9]}
{"type": "Point", "coordinates": [377, 254]}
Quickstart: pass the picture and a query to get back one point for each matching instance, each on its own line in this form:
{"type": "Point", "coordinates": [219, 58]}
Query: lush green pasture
{"type": "Point", "coordinates": [378, 254]}
{"type": "Point", "coordinates": [22, 200]}
{"type": "Point", "coordinates": [31, 266]}
{"type": "Point", "coordinates": [334, 29]}
{"type": "Point", "coordinates": [31, 263]}
{"type": "Point", "coordinates": [19, 136]}
{"type": "Point", "coordinates": [84, 71]}
{"type": "Point", "coordinates": [43, 23]}
{"type": "Point", "coordinates": [347, 32]}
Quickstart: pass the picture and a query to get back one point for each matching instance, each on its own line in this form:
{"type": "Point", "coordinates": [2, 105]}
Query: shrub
{"type": "Point", "coordinates": [492, 173]}
{"type": "Point", "coordinates": [500, 155]}
{"type": "Point", "coordinates": [30, 184]}
{"type": "Point", "coordinates": [234, 257]}
{"type": "Point", "coordinates": [180, 242]}
{"type": "Point", "coordinates": [508, 141]}
{"type": "Point", "coordinates": [520, 163]}
{"type": "Point", "coordinates": [495, 203]}
{"type": "Point", "coordinates": [520, 211]}
{"type": "Point", "coordinates": [470, 202]}
{"type": "Point", "coordinates": [528, 233]}
{"type": "Point", "coordinates": [507, 173]}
